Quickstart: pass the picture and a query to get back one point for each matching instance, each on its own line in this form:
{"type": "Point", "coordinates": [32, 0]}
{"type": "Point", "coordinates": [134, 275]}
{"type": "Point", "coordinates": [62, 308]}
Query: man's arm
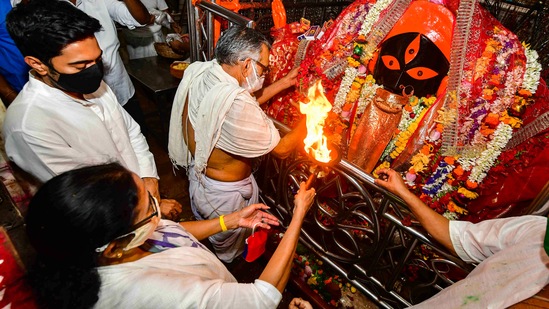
{"type": "Point", "coordinates": [7, 93]}
{"type": "Point", "coordinates": [291, 140]}
{"type": "Point", "coordinates": [139, 11]}
{"type": "Point", "coordinates": [45, 155]}
{"type": "Point", "coordinates": [435, 224]}
{"type": "Point", "coordinates": [140, 146]}
{"type": "Point", "coordinates": [263, 95]}
{"type": "Point", "coordinates": [129, 13]}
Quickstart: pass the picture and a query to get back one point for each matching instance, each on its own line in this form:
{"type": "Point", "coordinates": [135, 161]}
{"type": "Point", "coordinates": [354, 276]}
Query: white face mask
{"type": "Point", "coordinates": [255, 82]}
{"type": "Point", "coordinates": [142, 233]}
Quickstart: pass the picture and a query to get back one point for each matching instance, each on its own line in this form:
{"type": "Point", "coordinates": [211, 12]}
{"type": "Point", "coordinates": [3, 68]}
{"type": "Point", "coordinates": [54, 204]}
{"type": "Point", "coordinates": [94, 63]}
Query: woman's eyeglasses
{"type": "Point", "coordinates": [153, 203]}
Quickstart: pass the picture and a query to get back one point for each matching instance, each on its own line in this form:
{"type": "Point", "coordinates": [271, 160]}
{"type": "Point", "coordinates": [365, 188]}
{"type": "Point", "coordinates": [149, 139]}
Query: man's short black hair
{"type": "Point", "coordinates": [42, 28]}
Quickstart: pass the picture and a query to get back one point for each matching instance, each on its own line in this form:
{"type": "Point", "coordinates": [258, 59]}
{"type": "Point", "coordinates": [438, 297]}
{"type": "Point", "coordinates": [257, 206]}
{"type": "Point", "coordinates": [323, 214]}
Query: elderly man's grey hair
{"type": "Point", "coordinates": [239, 43]}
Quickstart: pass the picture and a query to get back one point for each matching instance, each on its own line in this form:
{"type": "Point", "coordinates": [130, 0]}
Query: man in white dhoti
{"type": "Point", "coordinates": [513, 262]}
{"type": "Point", "coordinates": [217, 128]}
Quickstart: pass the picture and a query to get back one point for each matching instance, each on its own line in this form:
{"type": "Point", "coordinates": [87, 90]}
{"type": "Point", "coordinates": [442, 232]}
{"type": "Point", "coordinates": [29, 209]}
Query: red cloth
{"type": "Point", "coordinates": [15, 290]}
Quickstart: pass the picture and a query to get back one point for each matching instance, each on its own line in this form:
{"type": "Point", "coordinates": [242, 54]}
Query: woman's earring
{"type": "Point", "coordinates": [119, 255]}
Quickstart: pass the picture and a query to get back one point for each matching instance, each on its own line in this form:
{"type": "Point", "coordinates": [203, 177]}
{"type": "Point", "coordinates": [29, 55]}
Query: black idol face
{"type": "Point", "coordinates": [411, 61]}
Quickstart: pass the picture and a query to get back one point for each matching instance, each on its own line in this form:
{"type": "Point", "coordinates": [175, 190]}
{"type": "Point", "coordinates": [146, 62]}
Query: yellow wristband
{"type": "Point", "coordinates": [222, 223]}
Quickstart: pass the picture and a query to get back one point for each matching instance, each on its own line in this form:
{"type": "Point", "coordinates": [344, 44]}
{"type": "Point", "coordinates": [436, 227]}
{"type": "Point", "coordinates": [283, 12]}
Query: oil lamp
{"type": "Point", "coordinates": [322, 154]}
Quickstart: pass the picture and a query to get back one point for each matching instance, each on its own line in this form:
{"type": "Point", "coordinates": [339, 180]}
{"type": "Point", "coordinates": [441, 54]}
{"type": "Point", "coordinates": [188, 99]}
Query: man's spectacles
{"type": "Point", "coordinates": [265, 68]}
{"type": "Point", "coordinates": [153, 203]}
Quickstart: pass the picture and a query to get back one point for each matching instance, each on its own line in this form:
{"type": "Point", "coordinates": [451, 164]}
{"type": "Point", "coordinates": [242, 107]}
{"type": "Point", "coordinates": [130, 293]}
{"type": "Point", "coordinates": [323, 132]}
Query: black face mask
{"type": "Point", "coordinates": [86, 81]}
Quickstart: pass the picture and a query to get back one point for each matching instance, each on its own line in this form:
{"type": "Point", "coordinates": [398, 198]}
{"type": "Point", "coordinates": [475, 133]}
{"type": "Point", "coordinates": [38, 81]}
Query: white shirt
{"type": "Point", "coordinates": [223, 114]}
{"type": "Point", "coordinates": [513, 263]}
{"type": "Point", "coordinates": [48, 132]}
{"type": "Point", "coordinates": [108, 11]}
{"type": "Point", "coordinates": [186, 277]}
{"type": "Point", "coordinates": [155, 4]}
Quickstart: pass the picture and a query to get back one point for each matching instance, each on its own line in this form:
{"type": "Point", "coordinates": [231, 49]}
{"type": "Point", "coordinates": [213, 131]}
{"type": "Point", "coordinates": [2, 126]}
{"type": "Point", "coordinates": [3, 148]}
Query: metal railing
{"type": "Point", "coordinates": [362, 231]}
{"type": "Point", "coordinates": [357, 228]}
{"type": "Point", "coordinates": [201, 18]}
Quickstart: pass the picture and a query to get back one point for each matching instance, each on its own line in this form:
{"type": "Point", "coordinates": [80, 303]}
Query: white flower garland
{"type": "Point", "coordinates": [367, 94]}
{"type": "Point", "coordinates": [532, 75]}
{"type": "Point", "coordinates": [344, 88]}
{"type": "Point", "coordinates": [484, 162]}
{"type": "Point", "coordinates": [373, 16]}
{"type": "Point", "coordinates": [350, 72]}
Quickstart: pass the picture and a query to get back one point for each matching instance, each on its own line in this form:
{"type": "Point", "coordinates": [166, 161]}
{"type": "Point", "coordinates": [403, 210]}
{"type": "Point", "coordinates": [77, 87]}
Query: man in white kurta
{"type": "Point", "coordinates": [217, 128]}
{"type": "Point", "coordinates": [513, 264]}
{"type": "Point", "coordinates": [225, 116]}
{"type": "Point", "coordinates": [511, 252]}
{"type": "Point", "coordinates": [107, 12]}
{"type": "Point", "coordinates": [48, 132]}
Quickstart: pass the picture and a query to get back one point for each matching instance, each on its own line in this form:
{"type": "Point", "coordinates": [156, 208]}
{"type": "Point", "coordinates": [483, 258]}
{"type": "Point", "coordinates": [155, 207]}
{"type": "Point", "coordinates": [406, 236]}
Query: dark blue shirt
{"type": "Point", "coordinates": [12, 65]}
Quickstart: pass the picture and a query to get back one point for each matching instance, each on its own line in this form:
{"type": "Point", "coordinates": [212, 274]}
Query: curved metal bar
{"type": "Point", "coordinates": [359, 229]}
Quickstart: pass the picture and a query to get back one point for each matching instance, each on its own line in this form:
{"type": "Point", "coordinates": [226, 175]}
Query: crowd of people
{"type": "Point", "coordinates": [102, 233]}
{"type": "Point", "coordinates": [104, 243]}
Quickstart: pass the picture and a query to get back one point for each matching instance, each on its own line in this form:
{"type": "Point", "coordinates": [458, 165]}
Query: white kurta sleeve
{"type": "Point", "coordinates": [513, 267]}
{"type": "Point", "coordinates": [46, 159]}
{"type": "Point", "coordinates": [246, 130]}
{"type": "Point", "coordinates": [476, 242]}
{"type": "Point", "coordinates": [119, 12]}
{"type": "Point", "coordinates": [145, 157]}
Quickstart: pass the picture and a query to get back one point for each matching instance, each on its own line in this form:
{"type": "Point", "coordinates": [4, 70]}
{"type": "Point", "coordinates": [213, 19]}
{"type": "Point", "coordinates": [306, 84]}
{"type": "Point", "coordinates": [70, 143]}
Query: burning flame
{"type": "Point", "coordinates": [316, 111]}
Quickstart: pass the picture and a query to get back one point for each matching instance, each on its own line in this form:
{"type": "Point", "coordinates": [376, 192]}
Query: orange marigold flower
{"type": "Point", "coordinates": [449, 160]}
{"type": "Point", "coordinates": [439, 127]}
{"type": "Point", "coordinates": [425, 150]}
{"type": "Point", "coordinates": [471, 184]}
{"type": "Point", "coordinates": [486, 131]}
{"type": "Point", "coordinates": [492, 120]}
{"type": "Point", "coordinates": [524, 92]}
{"type": "Point", "coordinates": [450, 206]}
{"type": "Point", "coordinates": [459, 171]}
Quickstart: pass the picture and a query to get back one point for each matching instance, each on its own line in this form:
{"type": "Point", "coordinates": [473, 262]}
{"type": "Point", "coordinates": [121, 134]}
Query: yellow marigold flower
{"type": "Point", "coordinates": [460, 210]}
{"type": "Point", "coordinates": [412, 128]}
{"type": "Point", "coordinates": [419, 161]}
{"type": "Point", "coordinates": [429, 101]}
{"type": "Point", "coordinates": [352, 62]}
{"type": "Point", "coordinates": [514, 122]}
{"type": "Point", "coordinates": [383, 165]}
{"type": "Point", "coordinates": [468, 194]}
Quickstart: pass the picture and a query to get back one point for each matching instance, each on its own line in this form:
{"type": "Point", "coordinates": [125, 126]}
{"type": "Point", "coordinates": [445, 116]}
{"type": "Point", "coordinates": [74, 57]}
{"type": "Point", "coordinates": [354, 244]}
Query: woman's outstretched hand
{"type": "Point", "coordinates": [251, 215]}
{"type": "Point", "coordinates": [303, 200]}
